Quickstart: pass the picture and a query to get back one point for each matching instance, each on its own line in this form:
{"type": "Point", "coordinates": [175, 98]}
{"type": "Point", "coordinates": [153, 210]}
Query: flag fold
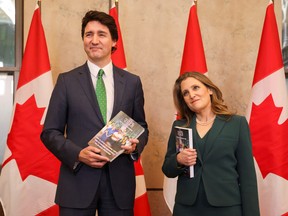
{"type": "Point", "coordinates": [30, 172]}
{"type": "Point", "coordinates": [267, 115]}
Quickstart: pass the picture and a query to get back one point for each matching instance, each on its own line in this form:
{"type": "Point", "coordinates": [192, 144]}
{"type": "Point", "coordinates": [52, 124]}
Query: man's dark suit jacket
{"type": "Point", "coordinates": [73, 118]}
{"type": "Point", "coordinates": [226, 167]}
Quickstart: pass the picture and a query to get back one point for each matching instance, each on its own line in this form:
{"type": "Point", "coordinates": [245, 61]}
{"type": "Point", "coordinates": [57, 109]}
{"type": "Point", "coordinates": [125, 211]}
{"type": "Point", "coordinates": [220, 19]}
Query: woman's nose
{"type": "Point", "coordinates": [191, 95]}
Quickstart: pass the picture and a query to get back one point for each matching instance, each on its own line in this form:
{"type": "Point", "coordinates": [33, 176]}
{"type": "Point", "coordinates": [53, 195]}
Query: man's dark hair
{"type": "Point", "coordinates": [104, 19]}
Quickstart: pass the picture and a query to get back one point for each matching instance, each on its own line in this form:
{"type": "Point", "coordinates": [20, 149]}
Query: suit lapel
{"type": "Point", "coordinates": [119, 87]}
{"type": "Point", "coordinates": [194, 132]}
{"type": "Point", "coordinates": [85, 80]}
{"type": "Point", "coordinates": [212, 135]}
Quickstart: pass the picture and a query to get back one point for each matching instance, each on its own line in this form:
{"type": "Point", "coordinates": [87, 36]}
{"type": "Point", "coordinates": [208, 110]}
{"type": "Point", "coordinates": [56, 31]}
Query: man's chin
{"type": "Point", "coordinates": [95, 57]}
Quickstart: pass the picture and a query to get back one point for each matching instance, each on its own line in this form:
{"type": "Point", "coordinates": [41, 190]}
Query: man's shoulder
{"type": "Point", "coordinates": [80, 69]}
{"type": "Point", "coordinates": [124, 72]}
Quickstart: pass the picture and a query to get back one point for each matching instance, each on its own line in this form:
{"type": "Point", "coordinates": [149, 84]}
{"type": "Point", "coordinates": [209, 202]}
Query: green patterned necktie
{"type": "Point", "coordinates": [101, 94]}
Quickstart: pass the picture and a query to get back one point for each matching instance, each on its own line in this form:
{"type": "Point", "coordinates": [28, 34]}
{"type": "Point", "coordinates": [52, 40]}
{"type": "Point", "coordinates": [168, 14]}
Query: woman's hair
{"type": "Point", "coordinates": [217, 103]}
{"type": "Point", "coordinates": [104, 19]}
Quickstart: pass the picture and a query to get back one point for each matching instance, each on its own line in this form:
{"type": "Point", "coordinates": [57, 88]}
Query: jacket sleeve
{"type": "Point", "coordinates": [53, 134]}
{"type": "Point", "coordinates": [246, 170]}
{"type": "Point", "coordinates": [170, 166]}
{"type": "Point", "coordinates": [139, 116]}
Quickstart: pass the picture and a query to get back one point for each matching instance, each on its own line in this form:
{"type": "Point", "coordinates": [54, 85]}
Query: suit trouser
{"type": "Point", "coordinates": [104, 202]}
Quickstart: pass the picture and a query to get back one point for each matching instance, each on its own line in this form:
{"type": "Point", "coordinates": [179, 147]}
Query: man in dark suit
{"type": "Point", "coordinates": [88, 181]}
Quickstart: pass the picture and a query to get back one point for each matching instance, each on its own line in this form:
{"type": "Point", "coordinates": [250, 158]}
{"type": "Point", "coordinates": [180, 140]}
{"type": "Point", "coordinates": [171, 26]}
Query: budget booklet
{"type": "Point", "coordinates": [184, 140]}
{"type": "Point", "coordinates": [115, 134]}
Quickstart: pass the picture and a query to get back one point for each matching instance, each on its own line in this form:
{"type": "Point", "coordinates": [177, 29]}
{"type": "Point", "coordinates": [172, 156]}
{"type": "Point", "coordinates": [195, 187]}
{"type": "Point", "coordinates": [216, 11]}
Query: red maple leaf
{"type": "Point", "coordinates": [31, 155]}
{"type": "Point", "coordinates": [270, 144]}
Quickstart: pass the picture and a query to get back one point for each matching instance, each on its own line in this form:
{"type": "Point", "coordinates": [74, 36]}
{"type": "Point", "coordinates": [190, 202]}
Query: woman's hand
{"type": "Point", "coordinates": [187, 157]}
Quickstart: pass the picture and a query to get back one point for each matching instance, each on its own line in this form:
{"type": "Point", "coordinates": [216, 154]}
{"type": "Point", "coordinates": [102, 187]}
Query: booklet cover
{"type": "Point", "coordinates": [184, 140]}
{"type": "Point", "coordinates": [116, 133]}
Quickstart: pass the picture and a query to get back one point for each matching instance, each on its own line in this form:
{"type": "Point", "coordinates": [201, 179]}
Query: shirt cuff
{"type": "Point", "coordinates": [76, 165]}
{"type": "Point", "coordinates": [134, 155]}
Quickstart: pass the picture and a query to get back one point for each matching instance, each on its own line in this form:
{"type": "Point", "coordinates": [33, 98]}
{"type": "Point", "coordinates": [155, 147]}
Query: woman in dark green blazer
{"type": "Point", "coordinates": [224, 182]}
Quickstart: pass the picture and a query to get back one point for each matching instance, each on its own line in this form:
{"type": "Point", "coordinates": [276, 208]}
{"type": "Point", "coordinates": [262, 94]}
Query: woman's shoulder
{"type": "Point", "coordinates": [234, 117]}
{"type": "Point", "coordinates": [180, 122]}
{"type": "Point", "coordinates": [238, 117]}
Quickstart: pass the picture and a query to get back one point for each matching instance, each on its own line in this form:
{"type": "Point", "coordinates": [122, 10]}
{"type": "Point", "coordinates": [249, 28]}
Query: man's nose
{"type": "Point", "coordinates": [95, 39]}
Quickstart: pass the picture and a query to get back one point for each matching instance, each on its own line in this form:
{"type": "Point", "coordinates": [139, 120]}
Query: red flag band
{"type": "Point", "coordinates": [30, 172]}
{"type": "Point", "coordinates": [267, 115]}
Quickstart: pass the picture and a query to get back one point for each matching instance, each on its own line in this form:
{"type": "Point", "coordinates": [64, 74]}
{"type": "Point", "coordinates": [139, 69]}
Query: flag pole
{"type": "Point", "coordinates": [195, 3]}
{"type": "Point", "coordinates": [39, 4]}
{"type": "Point", "coordinates": [117, 6]}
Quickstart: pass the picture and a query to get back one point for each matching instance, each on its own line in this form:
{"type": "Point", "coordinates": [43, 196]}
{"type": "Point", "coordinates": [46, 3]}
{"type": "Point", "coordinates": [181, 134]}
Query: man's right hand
{"type": "Point", "coordinates": [91, 156]}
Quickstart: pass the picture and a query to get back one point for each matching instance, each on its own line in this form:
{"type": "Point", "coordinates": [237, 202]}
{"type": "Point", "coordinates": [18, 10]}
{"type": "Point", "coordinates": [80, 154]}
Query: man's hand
{"type": "Point", "coordinates": [130, 148]}
{"type": "Point", "coordinates": [91, 156]}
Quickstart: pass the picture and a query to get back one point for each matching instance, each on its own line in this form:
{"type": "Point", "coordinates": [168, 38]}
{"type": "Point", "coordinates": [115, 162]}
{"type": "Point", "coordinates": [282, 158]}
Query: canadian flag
{"type": "Point", "coordinates": [193, 59]}
{"type": "Point", "coordinates": [30, 172]}
{"type": "Point", "coordinates": [141, 205]}
{"type": "Point", "coordinates": [267, 115]}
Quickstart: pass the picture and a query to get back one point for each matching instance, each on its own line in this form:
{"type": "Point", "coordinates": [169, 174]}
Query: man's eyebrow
{"type": "Point", "coordinates": [102, 32]}
{"type": "Point", "coordinates": [88, 32]}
